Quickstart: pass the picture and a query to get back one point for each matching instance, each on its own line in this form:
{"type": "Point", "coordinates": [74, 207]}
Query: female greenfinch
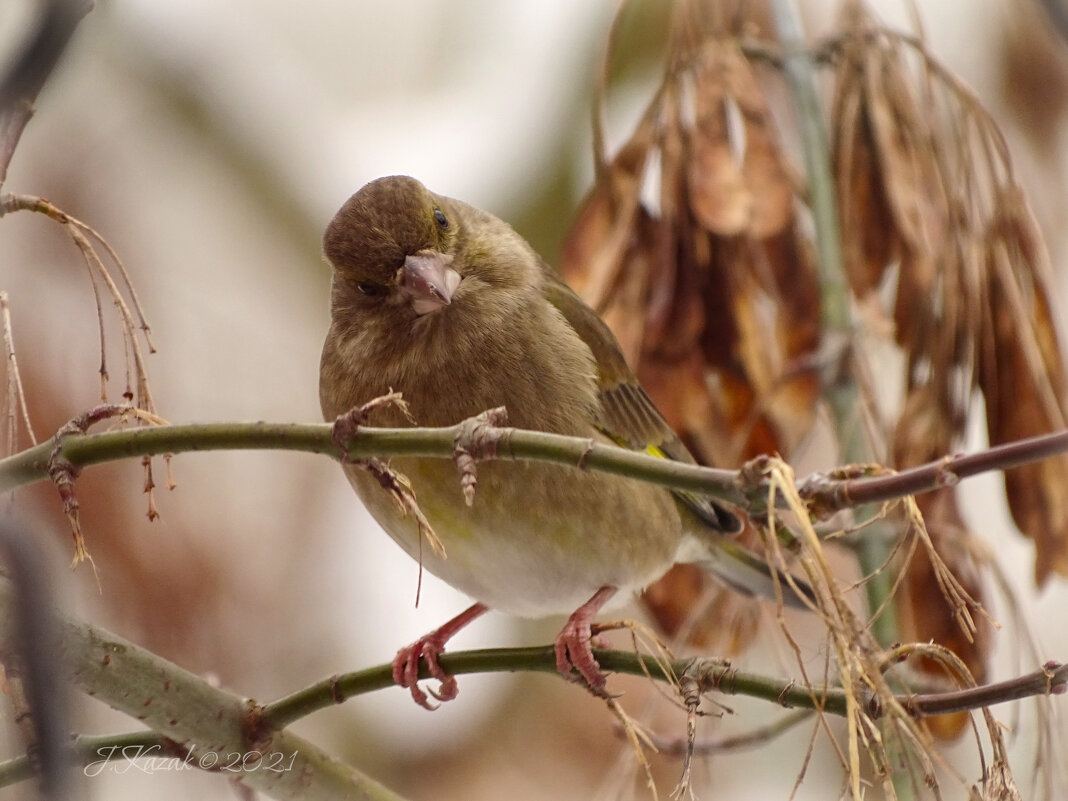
{"type": "Point", "coordinates": [449, 306]}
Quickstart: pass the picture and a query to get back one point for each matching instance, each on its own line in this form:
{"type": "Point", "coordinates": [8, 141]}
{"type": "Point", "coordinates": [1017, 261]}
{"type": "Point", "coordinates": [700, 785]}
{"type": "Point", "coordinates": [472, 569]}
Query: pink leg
{"type": "Point", "coordinates": [429, 647]}
{"type": "Point", "coordinates": [572, 646]}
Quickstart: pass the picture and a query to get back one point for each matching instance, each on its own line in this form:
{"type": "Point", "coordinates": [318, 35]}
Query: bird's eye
{"type": "Point", "coordinates": [441, 219]}
{"type": "Point", "coordinates": [371, 290]}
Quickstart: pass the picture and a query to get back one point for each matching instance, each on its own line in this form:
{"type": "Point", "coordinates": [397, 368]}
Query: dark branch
{"type": "Point", "coordinates": [30, 69]}
{"type": "Point", "coordinates": [32, 659]}
{"type": "Point", "coordinates": [826, 493]}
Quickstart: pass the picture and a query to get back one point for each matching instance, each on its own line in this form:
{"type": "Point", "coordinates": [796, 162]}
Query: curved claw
{"type": "Point", "coordinates": [406, 671]}
{"type": "Point", "coordinates": [574, 651]}
{"type": "Point", "coordinates": [429, 647]}
{"type": "Point", "coordinates": [573, 646]}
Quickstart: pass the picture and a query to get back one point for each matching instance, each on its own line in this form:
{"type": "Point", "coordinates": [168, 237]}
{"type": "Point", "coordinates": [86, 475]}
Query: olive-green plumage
{"type": "Point", "coordinates": [452, 308]}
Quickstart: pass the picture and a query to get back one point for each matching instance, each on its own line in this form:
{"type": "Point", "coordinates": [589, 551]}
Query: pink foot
{"type": "Point", "coordinates": [573, 648]}
{"type": "Point", "coordinates": [430, 647]}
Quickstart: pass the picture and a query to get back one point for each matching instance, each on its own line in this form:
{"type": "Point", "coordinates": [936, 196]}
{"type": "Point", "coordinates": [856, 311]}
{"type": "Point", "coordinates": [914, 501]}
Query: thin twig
{"type": "Point", "coordinates": [82, 234]}
{"type": "Point", "coordinates": [826, 493]}
{"type": "Point", "coordinates": [16, 395]}
{"type": "Point", "coordinates": [679, 747]}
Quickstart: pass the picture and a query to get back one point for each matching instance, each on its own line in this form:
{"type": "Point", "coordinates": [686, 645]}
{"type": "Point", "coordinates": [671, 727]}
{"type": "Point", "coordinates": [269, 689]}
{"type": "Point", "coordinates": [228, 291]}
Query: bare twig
{"type": "Point", "coordinates": [161, 694]}
{"type": "Point", "coordinates": [16, 396]}
{"type": "Point", "coordinates": [143, 396]}
{"type": "Point", "coordinates": [84, 235]}
{"type": "Point", "coordinates": [344, 430]}
{"type": "Point", "coordinates": [762, 735]}
{"type": "Point", "coordinates": [700, 675]}
{"type": "Point", "coordinates": [1050, 679]}
{"type": "Point", "coordinates": [825, 493]}
{"type": "Point", "coordinates": [64, 473]}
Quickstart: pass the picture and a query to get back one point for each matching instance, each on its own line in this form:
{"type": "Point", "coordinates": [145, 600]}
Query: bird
{"type": "Point", "coordinates": [450, 307]}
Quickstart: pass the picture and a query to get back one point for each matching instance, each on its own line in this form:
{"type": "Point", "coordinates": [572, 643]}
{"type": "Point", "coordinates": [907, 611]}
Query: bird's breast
{"type": "Point", "coordinates": [538, 539]}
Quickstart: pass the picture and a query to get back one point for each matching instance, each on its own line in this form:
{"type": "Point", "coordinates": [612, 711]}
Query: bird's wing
{"type": "Point", "coordinates": [627, 414]}
{"type": "Point", "coordinates": [630, 418]}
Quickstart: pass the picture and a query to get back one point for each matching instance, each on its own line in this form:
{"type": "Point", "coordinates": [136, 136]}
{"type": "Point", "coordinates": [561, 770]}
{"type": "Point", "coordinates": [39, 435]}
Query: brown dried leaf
{"type": "Point", "coordinates": [1036, 495]}
{"type": "Point", "coordinates": [765, 174]}
{"type": "Point", "coordinates": [870, 240]}
{"type": "Point", "coordinates": [923, 432]}
{"type": "Point", "coordinates": [680, 391]}
{"type": "Point", "coordinates": [625, 311]}
{"type": "Point", "coordinates": [594, 249]}
{"type": "Point", "coordinates": [736, 179]}
{"type": "Point", "coordinates": [687, 605]}
{"type": "Point", "coordinates": [674, 229]}
{"type": "Point", "coordinates": [677, 316]}
{"type": "Point", "coordinates": [755, 316]}
{"type": "Point", "coordinates": [792, 408]}
{"type": "Point", "coordinates": [770, 296]}
{"type": "Point", "coordinates": [712, 409]}
{"type": "Point", "coordinates": [913, 302]}
{"type": "Point", "coordinates": [1022, 376]}
{"type": "Point", "coordinates": [718, 196]}
{"type": "Point", "coordinates": [790, 263]}
{"type": "Point", "coordinates": [1036, 492]}
{"type": "Point", "coordinates": [588, 238]}
{"type": "Point", "coordinates": [909, 166]}
{"type": "Point", "coordinates": [674, 317]}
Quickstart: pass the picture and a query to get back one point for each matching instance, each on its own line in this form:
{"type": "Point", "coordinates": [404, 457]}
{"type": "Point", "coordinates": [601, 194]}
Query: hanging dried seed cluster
{"type": "Point", "coordinates": [929, 206]}
{"type": "Point", "coordinates": [694, 247]}
{"type": "Point", "coordinates": [691, 248]}
{"type": "Point", "coordinates": [928, 201]}
{"type": "Point", "coordinates": [713, 291]}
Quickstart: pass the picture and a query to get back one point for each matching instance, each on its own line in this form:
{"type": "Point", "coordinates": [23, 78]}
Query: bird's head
{"type": "Point", "coordinates": [392, 246]}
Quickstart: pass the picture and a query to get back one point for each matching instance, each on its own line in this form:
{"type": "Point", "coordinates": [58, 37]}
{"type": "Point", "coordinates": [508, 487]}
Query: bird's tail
{"type": "Point", "coordinates": [744, 571]}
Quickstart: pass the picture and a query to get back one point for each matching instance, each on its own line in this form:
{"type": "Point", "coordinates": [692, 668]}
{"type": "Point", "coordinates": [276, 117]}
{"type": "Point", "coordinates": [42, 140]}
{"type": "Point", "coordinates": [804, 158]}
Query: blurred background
{"type": "Point", "coordinates": [210, 143]}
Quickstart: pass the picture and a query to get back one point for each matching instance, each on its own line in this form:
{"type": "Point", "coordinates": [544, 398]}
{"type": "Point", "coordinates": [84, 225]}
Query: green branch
{"type": "Point", "coordinates": [83, 450]}
{"type": "Point", "coordinates": [713, 674]}
{"type": "Point", "coordinates": [186, 712]}
{"type": "Point", "coordinates": [825, 493]}
{"type": "Point", "coordinates": [218, 725]}
{"type": "Point", "coordinates": [710, 674]}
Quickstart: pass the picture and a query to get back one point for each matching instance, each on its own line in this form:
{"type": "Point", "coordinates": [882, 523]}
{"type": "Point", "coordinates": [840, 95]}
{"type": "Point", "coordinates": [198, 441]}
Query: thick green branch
{"type": "Point", "coordinates": [823, 492]}
{"type": "Point", "coordinates": [187, 709]}
{"type": "Point", "coordinates": [83, 450]}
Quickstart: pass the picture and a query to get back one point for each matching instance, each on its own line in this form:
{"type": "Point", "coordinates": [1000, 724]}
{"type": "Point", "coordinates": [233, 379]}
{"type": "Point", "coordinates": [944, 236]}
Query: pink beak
{"type": "Point", "coordinates": [429, 280]}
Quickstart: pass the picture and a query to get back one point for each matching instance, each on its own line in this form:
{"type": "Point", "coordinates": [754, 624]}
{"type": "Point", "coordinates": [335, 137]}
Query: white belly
{"type": "Point", "coordinates": [539, 539]}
